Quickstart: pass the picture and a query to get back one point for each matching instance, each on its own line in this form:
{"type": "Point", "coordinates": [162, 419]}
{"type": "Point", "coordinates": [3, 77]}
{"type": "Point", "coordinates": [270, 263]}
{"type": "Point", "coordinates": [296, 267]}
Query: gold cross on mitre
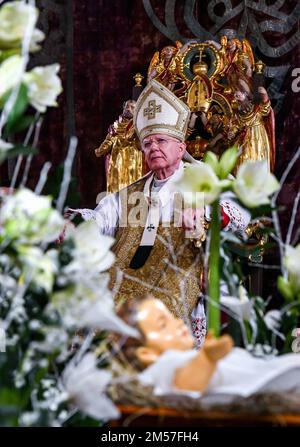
{"type": "Point", "coordinates": [152, 109]}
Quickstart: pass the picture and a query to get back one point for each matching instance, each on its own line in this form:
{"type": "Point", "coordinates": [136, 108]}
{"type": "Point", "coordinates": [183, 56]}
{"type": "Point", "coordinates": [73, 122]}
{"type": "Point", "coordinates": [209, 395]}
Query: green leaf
{"type": "Point", "coordinates": [285, 288]}
{"type": "Point", "coordinates": [23, 123]}
{"type": "Point", "coordinates": [211, 159]}
{"type": "Point", "coordinates": [227, 162]}
{"type": "Point", "coordinates": [18, 109]}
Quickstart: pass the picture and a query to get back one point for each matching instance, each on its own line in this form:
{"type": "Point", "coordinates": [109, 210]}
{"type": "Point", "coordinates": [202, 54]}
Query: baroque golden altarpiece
{"type": "Point", "coordinates": [224, 89]}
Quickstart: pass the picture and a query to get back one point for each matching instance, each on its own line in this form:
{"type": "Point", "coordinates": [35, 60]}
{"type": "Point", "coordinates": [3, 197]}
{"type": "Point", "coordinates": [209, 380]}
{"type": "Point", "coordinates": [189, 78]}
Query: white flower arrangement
{"type": "Point", "coordinates": [241, 306]}
{"type": "Point", "coordinates": [18, 20]}
{"type": "Point", "coordinates": [254, 187]}
{"type": "Point", "coordinates": [200, 178]}
{"type": "Point", "coordinates": [44, 86]}
{"type": "Point", "coordinates": [11, 74]}
{"type": "Point", "coordinates": [29, 218]}
{"type": "Point", "coordinates": [41, 297]}
{"type": "Point", "coordinates": [254, 184]}
{"type": "Point", "coordinates": [91, 254]}
{"type": "Point", "coordinates": [18, 37]}
{"type": "Point", "coordinates": [31, 271]}
{"type": "Point", "coordinates": [86, 384]}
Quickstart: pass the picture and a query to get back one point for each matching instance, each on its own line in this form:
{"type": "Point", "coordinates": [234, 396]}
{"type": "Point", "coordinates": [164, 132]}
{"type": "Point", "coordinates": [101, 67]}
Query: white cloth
{"type": "Point", "coordinates": [242, 374]}
{"type": "Point", "coordinates": [237, 374]}
{"type": "Point", "coordinates": [160, 374]}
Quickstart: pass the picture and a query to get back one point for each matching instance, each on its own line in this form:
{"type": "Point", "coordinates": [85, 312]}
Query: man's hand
{"type": "Point", "coordinates": [70, 213]}
{"type": "Point", "coordinates": [192, 222]}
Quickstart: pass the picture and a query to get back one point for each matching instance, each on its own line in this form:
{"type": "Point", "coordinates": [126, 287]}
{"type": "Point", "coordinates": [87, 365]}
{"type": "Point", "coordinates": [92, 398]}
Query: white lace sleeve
{"type": "Point", "coordinates": [86, 213]}
{"type": "Point", "coordinates": [239, 217]}
{"type": "Point", "coordinates": [107, 214]}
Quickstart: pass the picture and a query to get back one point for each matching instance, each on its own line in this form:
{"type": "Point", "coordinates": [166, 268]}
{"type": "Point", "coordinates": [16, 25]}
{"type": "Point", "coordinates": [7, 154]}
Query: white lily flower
{"type": "Point", "coordinates": [11, 73]}
{"type": "Point", "coordinates": [37, 37]}
{"type": "Point", "coordinates": [272, 319]}
{"type": "Point", "coordinates": [55, 339]}
{"type": "Point", "coordinates": [24, 201]}
{"type": "Point", "coordinates": [39, 267]}
{"type": "Point", "coordinates": [18, 20]}
{"type": "Point", "coordinates": [92, 253]}
{"type": "Point", "coordinates": [91, 305]}
{"type": "Point", "coordinates": [29, 218]}
{"type": "Point", "coordinates": [240, 306]}
{"type": "Point", "coordinates": [86, 385]}
{"type": "Point", "coordinates": [43, 86]}
{"type": "Point", "coordinates": [292, 263]}
{"type": "Point", "coordinates": [200, 178]}
{"type": "Point", "coordinates": [100, 314]}
{"type": "Point", "coordinates": [254, 183]}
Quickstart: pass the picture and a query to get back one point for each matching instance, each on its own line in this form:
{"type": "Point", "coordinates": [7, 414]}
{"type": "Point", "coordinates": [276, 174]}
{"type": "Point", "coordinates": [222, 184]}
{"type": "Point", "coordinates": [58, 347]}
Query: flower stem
{"type": "Point", "coordinates": [214, 272]}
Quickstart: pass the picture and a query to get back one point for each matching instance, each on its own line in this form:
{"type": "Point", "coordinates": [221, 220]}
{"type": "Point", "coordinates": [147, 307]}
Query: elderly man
{"type": "Point", "coordinates": [152, 251]}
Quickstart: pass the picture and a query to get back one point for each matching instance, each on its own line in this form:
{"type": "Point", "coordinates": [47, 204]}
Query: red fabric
{"type": "Point", "coordinates": [225, 218]}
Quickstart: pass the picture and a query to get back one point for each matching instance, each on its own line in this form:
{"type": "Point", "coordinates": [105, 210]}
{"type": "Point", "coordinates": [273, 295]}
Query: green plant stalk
{"type": "Point", "coordinates": [214, 323]}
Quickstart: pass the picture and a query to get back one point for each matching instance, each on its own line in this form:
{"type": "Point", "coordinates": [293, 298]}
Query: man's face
{"type": "Point", "coordinates": [162, 151]}
{"type": "Point", "coordinates": [161, 329]}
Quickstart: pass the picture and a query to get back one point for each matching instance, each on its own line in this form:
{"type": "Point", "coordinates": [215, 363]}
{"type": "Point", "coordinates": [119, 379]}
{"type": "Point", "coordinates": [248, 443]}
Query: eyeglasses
{"type": "Point", "coordinates": [161, 142]}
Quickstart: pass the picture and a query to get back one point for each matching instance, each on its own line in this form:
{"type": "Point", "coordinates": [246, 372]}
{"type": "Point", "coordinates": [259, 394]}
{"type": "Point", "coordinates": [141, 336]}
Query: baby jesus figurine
{"type": "Point", "coordinates": [164, 335]}
{"type": "Point", "coordinates": [165, 353]}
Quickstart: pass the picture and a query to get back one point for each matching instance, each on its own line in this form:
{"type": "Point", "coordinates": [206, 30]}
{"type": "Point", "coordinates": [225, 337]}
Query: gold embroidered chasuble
{"type": "Point", "coordinates": [172, 272]}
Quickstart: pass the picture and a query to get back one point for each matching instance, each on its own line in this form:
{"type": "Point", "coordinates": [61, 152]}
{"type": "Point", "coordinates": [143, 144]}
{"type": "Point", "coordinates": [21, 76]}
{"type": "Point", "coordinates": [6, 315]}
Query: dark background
{"type": "Point", "coordinates": [101, 44]}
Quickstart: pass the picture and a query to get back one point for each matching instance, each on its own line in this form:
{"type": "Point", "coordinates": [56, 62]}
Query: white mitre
{"type": "Point", "coordinates": [158, 110]}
